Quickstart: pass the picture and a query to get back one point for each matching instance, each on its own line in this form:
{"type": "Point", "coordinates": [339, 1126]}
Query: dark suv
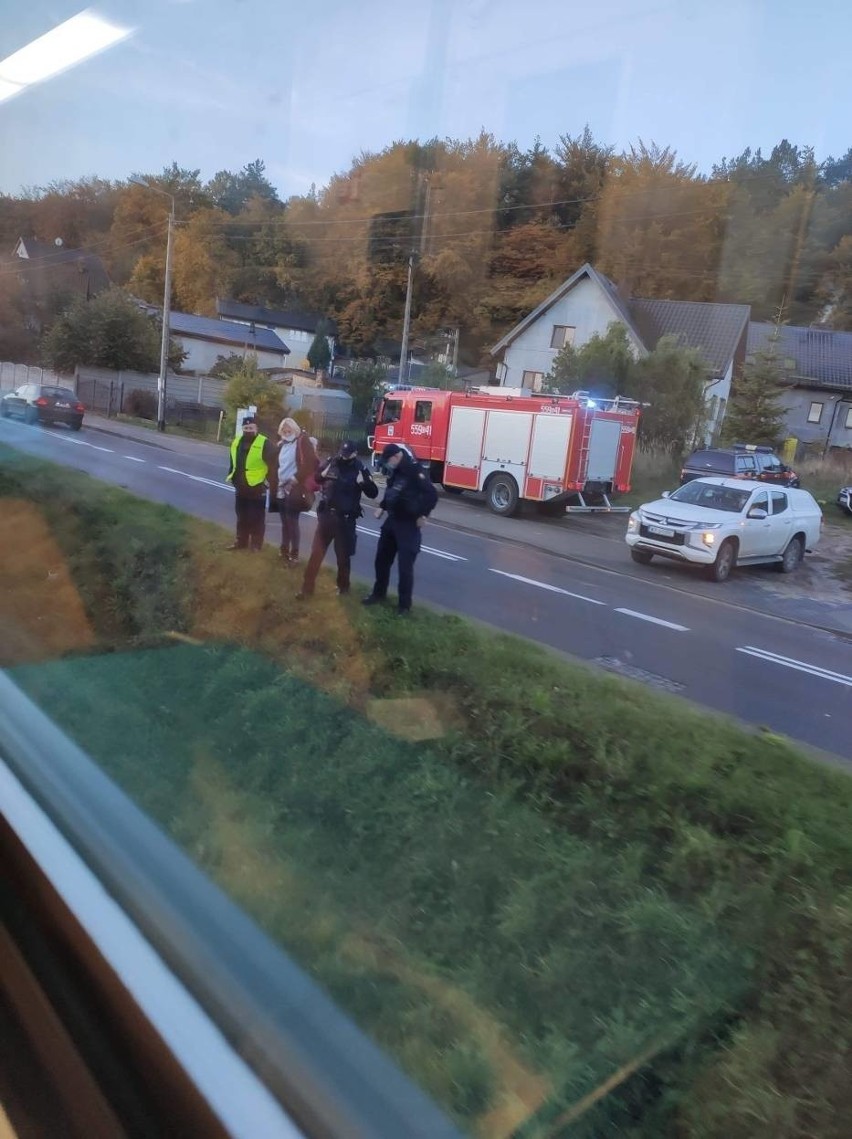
{"type": "Point", "coordinates": [43, 403]}
{"type": "Point", "coordinates": [739, 462]}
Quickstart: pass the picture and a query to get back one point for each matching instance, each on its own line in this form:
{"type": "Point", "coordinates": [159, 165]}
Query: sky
{"type": "Point", "coordinates": [214, 84]}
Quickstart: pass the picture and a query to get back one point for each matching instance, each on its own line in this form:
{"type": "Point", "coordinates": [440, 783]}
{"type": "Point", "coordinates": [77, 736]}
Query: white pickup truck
{"type": "Point", "coordinates": [721, 523]}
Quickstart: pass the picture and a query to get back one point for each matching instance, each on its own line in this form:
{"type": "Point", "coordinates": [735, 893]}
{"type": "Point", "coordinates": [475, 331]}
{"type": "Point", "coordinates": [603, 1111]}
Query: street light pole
{"type": "Point", "coordinates": [167, 302]}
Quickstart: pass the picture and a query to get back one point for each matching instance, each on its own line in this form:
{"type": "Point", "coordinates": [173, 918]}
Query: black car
{"type": "Point", "coordinates": [43, 403]}
{"type": "Point", "coordinates": [739, 462]}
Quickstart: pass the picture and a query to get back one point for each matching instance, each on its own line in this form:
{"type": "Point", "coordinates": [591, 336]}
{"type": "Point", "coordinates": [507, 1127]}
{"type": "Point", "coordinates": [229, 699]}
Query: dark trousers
{"type": "Point", "coordinates": [397, 538]}
{"type": "Point", "coordinates": [339, 529]}
{"type": "Point", "coordinates": [289, 532]}
{"type": "Point", "coordinates": [251, 522]}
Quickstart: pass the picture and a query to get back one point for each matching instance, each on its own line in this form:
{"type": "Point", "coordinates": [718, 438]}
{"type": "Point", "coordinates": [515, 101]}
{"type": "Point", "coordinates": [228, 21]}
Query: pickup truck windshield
{"type": "Point", "coordinates": [711, 496]}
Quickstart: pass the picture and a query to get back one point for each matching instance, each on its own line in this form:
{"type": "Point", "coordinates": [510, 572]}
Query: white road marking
{"type": "Point", "coordinates": [798, 665]}
{"type": "Point", "coordinates": [654, 620]}
{"type": "Point", "coordinates": [199, 478]}
{"type": "Point", "coordinates": [423, 549]}
{"type": "Point", "coordinates": [133, 459]}
{"type": "Point", "coordinates": [95, 447]}
{"type": "Point", "coordinates": [549, 588]}
{"type": "Point", "coordinates": [76, 442]}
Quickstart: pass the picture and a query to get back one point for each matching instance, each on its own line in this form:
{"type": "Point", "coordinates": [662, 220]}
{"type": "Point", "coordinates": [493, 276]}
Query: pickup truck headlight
{"type": "Point", "coordinates": [633, 523]}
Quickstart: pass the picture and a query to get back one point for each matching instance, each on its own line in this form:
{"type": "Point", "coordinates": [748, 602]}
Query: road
{"type": "Point", "coordinates": [715, 646]}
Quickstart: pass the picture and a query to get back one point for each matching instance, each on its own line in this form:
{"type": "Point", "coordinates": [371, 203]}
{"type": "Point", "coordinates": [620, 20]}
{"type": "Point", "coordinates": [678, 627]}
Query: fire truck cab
{"type": "Point", "coordinates": [564, 452]}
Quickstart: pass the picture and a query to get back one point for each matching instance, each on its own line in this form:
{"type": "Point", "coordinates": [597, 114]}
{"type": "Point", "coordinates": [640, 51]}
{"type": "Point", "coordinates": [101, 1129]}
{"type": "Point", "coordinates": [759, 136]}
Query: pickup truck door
{"type": "Point", "coordinates": [782, 519]}
{"type": "Point", "coordinates": [759, 534]}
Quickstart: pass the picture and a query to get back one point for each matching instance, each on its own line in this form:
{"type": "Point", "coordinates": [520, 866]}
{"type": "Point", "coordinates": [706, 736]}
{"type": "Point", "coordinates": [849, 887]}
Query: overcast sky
{"type": "Point", "coordinates": [216, 83]}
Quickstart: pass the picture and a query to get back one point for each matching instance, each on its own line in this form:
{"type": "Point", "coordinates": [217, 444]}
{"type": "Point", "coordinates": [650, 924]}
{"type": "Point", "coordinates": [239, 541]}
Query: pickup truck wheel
{"type": "Point", "coordinates": [503, 496]}
{"type": "Point", "coordinates": [725, 561]}
{"type": "Point", "coordinates": [792, 557]}
{"type": "Point", "coordinates": [641, 556]}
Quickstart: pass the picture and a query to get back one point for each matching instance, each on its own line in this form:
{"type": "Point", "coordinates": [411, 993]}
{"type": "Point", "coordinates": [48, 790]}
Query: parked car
{"type": "Point", "coordinates": [742, 461]}
{"type": "Point", "coordinates": [721, 523]}
{"type": "Point", "coordinates": [43, 403]}
{"type": "Point", "coordinates": [844, 499]}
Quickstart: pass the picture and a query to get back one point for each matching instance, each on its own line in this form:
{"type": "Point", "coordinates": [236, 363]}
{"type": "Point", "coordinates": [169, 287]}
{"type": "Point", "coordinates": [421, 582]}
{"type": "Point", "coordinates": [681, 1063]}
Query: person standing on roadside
{"type": "Point", "coordinates": [297, 460]}
{"type": "Point", "coordinates": [408, 501]}
{"type": "Point", "coordinates": [253, 467]}
{"type": "Point", "coordinates": [343, 479]}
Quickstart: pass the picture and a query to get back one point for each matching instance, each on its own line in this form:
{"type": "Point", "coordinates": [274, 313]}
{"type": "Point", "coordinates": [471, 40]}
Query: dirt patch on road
{"type": "Point", "coordinates": [826, 574]}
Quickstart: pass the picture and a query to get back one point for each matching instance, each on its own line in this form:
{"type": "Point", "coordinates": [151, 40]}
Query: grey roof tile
{"type": "Point", "coordinates": [820, 355]}
{"type": "Point", "coordinates": [715, 329]}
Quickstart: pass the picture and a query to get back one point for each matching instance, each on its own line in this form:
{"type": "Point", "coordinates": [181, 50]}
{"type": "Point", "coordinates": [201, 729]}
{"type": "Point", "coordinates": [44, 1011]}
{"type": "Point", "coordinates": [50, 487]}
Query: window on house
{"type": "Point", "coordinates": [533, 380]}
{"type": "Point", "coordinates": [815, 412]}
{"type": "Point", "coordinates": [849, 419]}
{"type": "Point", "coordinates": [562, 334]}
{"type": "Point", "coordinates": [423, 411]}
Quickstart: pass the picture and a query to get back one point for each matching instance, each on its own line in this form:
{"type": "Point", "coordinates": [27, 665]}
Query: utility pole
{"type": "Point", "coordinates": [404, 367]}
{"type": "Point", "coordinates": [456, 351]}
{"type": "Point", "coordinates": [167, 302]}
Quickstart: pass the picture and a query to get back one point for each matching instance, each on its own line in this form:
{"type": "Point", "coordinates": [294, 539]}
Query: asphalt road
{"type": "Point", "coordinates": [675, 633]}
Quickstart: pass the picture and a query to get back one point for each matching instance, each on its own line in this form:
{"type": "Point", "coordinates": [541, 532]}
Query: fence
{"type": "Point", "coordinates": [13, 375]}
{"type": "Point", "coordinates": [205, 391]}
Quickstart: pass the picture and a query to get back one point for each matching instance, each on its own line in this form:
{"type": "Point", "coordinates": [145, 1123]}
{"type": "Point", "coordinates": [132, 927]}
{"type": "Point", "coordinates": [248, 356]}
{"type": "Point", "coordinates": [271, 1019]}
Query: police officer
{"type": "Point", "coordinates": [254, 463]}
{"type": "Point", "coordinates": [408, 501]}
{"type": "Point", "coordinates": [344, 478]}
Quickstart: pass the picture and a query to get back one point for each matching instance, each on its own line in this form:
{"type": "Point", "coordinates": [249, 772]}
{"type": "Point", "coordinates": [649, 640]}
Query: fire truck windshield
{"type": "Point", "coordinates": [391, 411]}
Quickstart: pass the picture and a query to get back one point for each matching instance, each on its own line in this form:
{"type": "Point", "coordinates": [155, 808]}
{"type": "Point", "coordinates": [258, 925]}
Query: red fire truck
{"type": "Point", "coordinates": [565, 452]}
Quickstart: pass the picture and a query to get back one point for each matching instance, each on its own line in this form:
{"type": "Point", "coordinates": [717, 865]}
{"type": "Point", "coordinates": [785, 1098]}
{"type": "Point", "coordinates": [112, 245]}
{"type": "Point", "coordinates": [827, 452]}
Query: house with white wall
{"type": "Point", "coordinates": [588, 303]}
{"type": "Point", "coordinates": [204, 339]}
{"type": "Point", "coordinates": [295, 327]}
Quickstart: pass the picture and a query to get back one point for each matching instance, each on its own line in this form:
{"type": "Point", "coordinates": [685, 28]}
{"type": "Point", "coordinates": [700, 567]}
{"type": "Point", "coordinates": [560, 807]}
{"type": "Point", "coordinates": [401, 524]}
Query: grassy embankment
{"type": "Point", "coordinates": [554, 896]}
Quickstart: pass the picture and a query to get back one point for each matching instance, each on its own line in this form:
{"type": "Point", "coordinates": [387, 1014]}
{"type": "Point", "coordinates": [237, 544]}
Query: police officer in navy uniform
{"type": "Point", "coordinates": [253, 468]}
{"type": "Point", "coordinates": [343, 479]}
{"type": "Point", "coordinates": [408, 501]}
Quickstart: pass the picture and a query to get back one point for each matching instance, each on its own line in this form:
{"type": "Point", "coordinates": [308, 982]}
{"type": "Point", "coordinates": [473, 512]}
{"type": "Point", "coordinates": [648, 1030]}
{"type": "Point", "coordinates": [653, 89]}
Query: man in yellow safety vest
{"type": "Point", "coordinates": [254, 466]}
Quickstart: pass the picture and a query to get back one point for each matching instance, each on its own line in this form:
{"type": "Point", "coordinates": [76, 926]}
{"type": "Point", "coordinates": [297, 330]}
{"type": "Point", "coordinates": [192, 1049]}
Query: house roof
{"type": "Point", "coordinates": [225, 332]}
{"type": "Point", "coordinates": [281, 318]}
{"type": "Point", "coordinates": [821, 356]}
{"type": "Point", "coordinates": [715, 329]}
{"type": "Point", "coordinates": [619, 308]}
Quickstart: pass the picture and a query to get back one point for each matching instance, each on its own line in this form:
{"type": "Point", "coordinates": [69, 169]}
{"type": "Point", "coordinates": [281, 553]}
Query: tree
{"type": "Point", "coordinates": [754, 413]}
{"type": "Point", "coordinates": [109, 331]}
{"type": "Point", "coordinates": [319, 353]}
{"type": "Point", "coordinates": [670, 380]}
{"type": "Point", "coordinates": [436, 375]}
{"type": "Point", "coordinates": [365, 380]}
{"type": "Point", "coordinates": [249, 386]}
{"type": "Point", "coordinates": [601, 366]}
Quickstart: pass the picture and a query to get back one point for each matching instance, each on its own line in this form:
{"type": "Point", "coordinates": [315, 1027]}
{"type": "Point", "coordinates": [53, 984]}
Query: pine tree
{"type": "Point", "coordinates": [755, 414]}
{"type": "Point", "coordinates": [319, 353]}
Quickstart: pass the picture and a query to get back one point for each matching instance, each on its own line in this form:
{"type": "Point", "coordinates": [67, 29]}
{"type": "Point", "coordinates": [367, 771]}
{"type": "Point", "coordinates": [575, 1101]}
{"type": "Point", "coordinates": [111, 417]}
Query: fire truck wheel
{"type": "Point", "coordinates": [451, 489]}
{"type": "Point", "coordinates": [502, 493]}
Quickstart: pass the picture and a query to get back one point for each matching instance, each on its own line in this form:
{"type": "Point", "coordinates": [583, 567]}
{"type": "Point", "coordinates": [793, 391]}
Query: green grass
{"type": "Point", "coordinates": [576, 880]}
{"type": "Point", "coordinates": [206, 430]}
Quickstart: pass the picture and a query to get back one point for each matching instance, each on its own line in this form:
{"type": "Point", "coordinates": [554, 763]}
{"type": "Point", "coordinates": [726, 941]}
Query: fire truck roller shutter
{"type": "Point", "coordinates": [603, 450]}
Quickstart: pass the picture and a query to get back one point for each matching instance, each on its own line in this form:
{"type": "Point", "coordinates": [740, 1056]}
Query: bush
{"type": "Point", "coordinates": [140, 403]}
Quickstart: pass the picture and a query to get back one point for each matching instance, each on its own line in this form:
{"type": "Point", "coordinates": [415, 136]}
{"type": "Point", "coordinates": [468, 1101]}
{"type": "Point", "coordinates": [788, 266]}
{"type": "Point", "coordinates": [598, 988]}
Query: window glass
{"type": "Point", "coordinates": [423, 411]}
{"type": "Point", "coordinates": [815, 412]}
{"type": "Point", "coordinates": [391, 411]}
{"type": "Point", "coordinates": [779, 502]}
